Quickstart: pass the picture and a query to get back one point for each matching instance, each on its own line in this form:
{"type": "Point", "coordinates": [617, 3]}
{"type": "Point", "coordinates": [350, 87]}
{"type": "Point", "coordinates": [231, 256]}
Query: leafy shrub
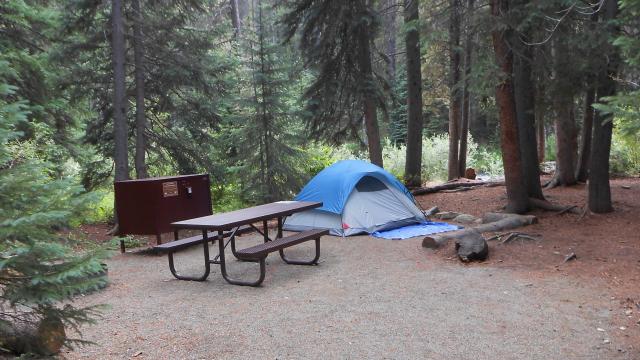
{"type": "Point", "coordinates": [435, 150]}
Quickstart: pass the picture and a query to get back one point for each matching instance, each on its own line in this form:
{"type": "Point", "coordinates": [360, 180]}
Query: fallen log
{"type": "Point", "coordinates": [492, 222]}
{"type": "Point", "coordinates": [454, 185]}
{"type": "Point", "coordinates": [472, 246]}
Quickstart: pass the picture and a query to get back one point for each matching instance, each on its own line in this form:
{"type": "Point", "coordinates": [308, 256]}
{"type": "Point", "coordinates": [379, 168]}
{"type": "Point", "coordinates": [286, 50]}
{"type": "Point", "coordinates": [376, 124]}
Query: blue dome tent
{"type": "Point", "coordinates": [358, 197]}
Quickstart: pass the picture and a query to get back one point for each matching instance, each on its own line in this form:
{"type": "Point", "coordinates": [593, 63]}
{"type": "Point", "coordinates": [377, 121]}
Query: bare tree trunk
{"type": "Point", "coordinates": [540, 133]}
{"type": "Point", "coordinates": [565, 127]}
{"type": "Point", "coordinates": [566, 141]}
{"type": "Point", "coordinates": [466, 111]}
{"type": "Point", "coordinates": [413, 164]}
{"type": "Point", "coordinates": [454, 93]}
{"type": "Point", "coordinates": [120, 134]}
{"type": "Point", "coordinates": [368, 104]}
{"type": "Point", "coordinates": [524, 91]}
{"type": "Point", "coordinates": [141, 120]}
{"type": "Point", "coordinates": [517, 199]}
{"type": "Point", "coordinates": [390, 31]}
{"type": "Point", "coordinates": [599, 188]}
{"type": "Point", "coordinates": [582, 172]}
{"type": "Point", "coordinates": [235, 17]}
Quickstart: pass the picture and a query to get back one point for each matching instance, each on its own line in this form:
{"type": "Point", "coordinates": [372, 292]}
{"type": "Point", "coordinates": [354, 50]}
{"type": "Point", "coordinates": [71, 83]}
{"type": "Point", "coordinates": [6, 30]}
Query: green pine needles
{"type": "Point", "coordinates": [39, 273]}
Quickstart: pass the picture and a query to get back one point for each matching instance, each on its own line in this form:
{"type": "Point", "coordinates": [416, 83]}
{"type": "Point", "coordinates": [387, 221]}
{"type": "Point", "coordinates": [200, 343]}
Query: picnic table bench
{"type": "Point", "coordinates": [228, 225]}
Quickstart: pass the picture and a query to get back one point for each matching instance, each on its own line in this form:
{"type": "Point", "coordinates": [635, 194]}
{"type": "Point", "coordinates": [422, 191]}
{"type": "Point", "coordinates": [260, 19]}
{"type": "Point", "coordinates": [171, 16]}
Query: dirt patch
{"type": "Point", "coordinates": [607, 246]}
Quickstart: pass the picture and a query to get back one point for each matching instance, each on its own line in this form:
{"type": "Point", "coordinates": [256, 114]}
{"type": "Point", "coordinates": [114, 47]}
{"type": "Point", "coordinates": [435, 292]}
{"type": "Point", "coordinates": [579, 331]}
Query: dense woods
{"type": "Point", "coordinates": [263, 94]}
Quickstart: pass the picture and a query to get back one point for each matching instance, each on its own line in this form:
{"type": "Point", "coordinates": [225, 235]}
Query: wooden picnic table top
{"type": "Point", "coordinates": [229, 220]}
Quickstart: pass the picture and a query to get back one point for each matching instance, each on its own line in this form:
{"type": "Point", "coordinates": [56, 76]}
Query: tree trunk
{"type": "Point", "coordinates": [141, 120]}
{"type": "Point", "coordinates": [413, 164]}
{"type": "Point", "coordinates": [566, 141]}
{"type": "Point", "coordinates": [524, 90]}
{"type": "Point", "coordinates": [582, 172]}
{"type": "Point", "coordinates": [599, 189]}
{"type": "Point", "coordinates": [120, 133]}
{"type": "Point", "coordinates": [235, 17]}
{"type": "Point", "coordinates": [517, 199]}
{"type": "Point", "coordinates": [389, 20]}
{"type": "Point", "coordinates": [368, 104]}
{"type": "Point", "coordinates": [464, 128]}
{"type": "Point", "coordinates": [540, 133]}
{"type": "Point", "coordinates": [563, 103]}
{"type": "Point", "coordinates": [454, 93]}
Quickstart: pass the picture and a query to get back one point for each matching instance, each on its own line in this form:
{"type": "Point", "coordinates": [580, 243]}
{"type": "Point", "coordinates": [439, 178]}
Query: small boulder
{"type": "Point", "coordinates": [465, 219]}
{"type": "Point", "coordinates": [446, 215]}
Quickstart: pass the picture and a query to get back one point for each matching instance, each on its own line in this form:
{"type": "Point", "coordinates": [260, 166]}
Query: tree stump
{"type": "Point", "coordinates": [472, 246]}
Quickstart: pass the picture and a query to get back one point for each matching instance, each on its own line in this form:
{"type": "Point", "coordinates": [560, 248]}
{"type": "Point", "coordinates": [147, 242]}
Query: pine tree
{"type": "Point", "coordinates": [267, 155]}
{"type": "Point", "coordinates": [39, 274]}
{"type": "Point", "coordinates": [335, 39]}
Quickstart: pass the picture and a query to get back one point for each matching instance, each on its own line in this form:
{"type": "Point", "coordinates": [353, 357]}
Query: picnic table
{"type": "Point", "coordinates": [229, 224]}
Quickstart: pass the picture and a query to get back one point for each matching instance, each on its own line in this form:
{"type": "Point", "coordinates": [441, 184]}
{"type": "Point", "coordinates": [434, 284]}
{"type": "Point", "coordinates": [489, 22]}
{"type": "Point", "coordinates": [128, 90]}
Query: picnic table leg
{"type": "Point", "coordinates": [223, 268]}
{"type": "Point", "coordinates": [207, 262]}
{"type": "Point", "coordinates": [265, 230]}
{"type": "Point", "coordinates": [299, 262]}
{"type": "Point", "coordinates": [279, 236]}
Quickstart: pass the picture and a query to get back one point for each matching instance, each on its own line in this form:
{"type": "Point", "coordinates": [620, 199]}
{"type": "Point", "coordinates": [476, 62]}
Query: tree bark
{"type": "Point", "coordinates": [368, 103]}
{"type": "Point", "coordinates": [390, 30]}
{"type": "Point", "coordinates": [141, 120]}
{"type": "Point", "coordinates": [566, 141]}
{"type": "Point", "coordinates": [120, 133]}
{"type": "Point", "coordinates": [454, 92]}
{"type": "Point", "coordinates": [413, 164]}
{"type": "Point", "coordinates": [524, 90]}
{"type": "Point", "coordinates": [565, 127]}
{"type": "Point", "coordinates": [466, 111]}
{"type": "Point", "coordinates": [599, 188]}
{"type": "Point", "coordinates": [235, 18]}
{"type": "Point", "coordinates": [582, 172]}
{"type": "Point", "coordinates": [540, 133]}
{"type": "Point", "coordinates": [517, 199]}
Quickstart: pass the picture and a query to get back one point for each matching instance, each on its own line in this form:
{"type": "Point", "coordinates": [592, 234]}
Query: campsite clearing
{"type": "Point", "coordinates": [374, 298]}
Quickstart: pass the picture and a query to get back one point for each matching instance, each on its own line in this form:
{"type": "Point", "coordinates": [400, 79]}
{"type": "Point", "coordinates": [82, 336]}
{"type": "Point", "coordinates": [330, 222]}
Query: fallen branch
{"type": "Point", "coordinates": [518, 235]}
{"type": "Point", "coordinates": [568, 208]}
{"type": "Point", "coordinates": [455, 185]}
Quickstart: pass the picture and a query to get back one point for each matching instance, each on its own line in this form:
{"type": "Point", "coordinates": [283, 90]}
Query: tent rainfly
{"type": "Point", "coordinates": [358, 197]}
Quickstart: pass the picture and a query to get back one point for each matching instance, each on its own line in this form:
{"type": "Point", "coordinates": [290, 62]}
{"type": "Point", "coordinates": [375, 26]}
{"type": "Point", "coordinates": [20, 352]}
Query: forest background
{"type": "Point", "coordinates": [262, 95]}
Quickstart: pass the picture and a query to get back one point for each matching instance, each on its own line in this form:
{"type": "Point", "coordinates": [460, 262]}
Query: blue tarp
{"type": "Point", "coordinates": [410, 231]}
{"type": "Point", "coordinates": [334, 184]}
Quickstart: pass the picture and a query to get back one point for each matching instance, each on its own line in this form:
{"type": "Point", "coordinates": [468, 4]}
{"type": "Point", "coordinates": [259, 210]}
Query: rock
{"type": "Point", "coordinates": [522, 220]}
{"type": "Point", "coordinates": [465, 219]}
{"type": "Point", "coordinates": [472, 246]}
{"type": "Point", "coordinates": [570, 257]}
{"type": "Point", "coordinates": [446, 215]}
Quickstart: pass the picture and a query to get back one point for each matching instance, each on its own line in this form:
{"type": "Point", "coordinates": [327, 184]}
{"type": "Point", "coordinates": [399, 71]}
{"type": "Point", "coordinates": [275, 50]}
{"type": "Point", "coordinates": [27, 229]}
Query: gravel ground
{"type": "Point", "coordinates": [368, 298]}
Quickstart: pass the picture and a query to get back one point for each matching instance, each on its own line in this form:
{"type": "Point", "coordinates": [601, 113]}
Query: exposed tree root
{"type": "Point", "coordinates": [545, 205]}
